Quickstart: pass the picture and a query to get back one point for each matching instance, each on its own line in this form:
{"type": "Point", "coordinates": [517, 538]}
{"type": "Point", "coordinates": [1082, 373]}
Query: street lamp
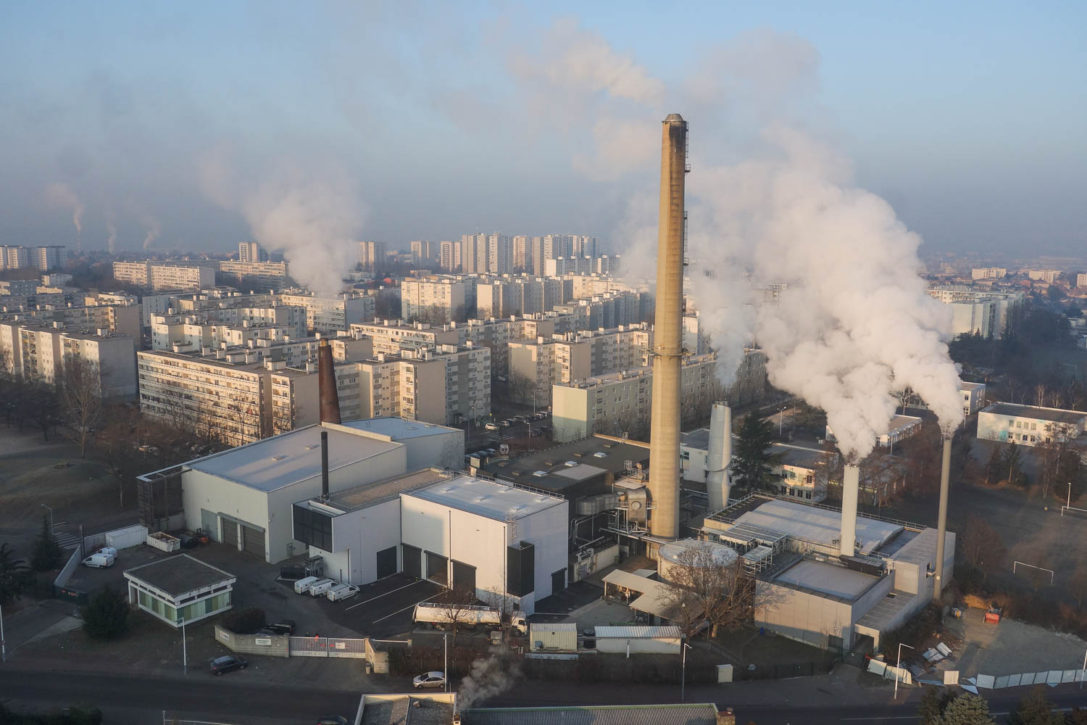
{"type": "Point", "coordinates": [898, 667]}
{"type": "Point", "coordinates": [50, 508]}
{"type": "Point", "coordinates": [781, 419]}
{"type": "Point", "coordinates": [4, 646]}
{"type": "Point", "coordinates": [683, 675]}
{"type": "Point", "coordinates": [184, 646]}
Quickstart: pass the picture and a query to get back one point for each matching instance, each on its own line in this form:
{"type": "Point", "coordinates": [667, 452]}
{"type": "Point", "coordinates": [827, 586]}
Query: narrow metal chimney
{"type": "Point", "coordinates": [718, 457]}
{"type": "Point", "coordinates": [326, 384]}
{"type": "Point", "coordinates": [850, 490]}
{"type": "Point", "coordinates": [324, 465]}
{"type": "Point", "coordinates": [668, 333]}
{"type": "Point", "coordinates": [941, 521]}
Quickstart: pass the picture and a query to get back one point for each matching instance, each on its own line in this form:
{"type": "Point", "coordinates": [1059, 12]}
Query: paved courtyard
{"type": "Point", "coordinates": [1010, 647]}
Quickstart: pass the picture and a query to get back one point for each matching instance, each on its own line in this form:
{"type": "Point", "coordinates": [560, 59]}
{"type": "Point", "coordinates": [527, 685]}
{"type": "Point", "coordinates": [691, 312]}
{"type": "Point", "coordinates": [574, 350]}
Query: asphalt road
{"type": "Point", "coordinates": [126, 699]}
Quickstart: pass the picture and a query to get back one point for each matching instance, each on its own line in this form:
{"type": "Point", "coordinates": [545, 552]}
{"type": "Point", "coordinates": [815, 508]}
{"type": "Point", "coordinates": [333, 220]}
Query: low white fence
{"type": "Point", "coordinates": [328, 647]}
{"type": "Point", "coordinates": [1023, 679]}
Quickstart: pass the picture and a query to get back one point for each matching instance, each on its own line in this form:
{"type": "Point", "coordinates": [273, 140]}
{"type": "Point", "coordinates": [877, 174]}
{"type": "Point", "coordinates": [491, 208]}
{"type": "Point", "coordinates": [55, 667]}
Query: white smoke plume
{"type": "Point", "coordinates": [62, 195]}
{"type": "Point", "coordinates": [769, 205]}
{"type": "Point", "coordinates": [312, 216]}
{"type": "Point", "coordinates": [489, 677]}
{"type": "Point", "coordinates": [111, 229]}
{"type": "Point", "coordinates": [154, 230]}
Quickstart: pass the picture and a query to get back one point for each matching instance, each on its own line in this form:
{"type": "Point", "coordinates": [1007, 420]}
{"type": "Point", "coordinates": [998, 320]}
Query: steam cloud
{"type": "Point", "coordinates": [850, 323]}
{"type": "Point", "coordinates": [312, 217]}
{"type": "Point", "coordinates": [111, 229]}
{"type": "Point", "coordinates": [154, 229]}
{"type": "Point", "coordinates": [489, 677]}
{"type": "Point", "coordinates": [62, 195]}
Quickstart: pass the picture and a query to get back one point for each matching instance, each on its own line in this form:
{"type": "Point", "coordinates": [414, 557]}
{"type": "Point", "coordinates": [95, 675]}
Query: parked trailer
{"type": "Point", "coordinates": [320, 587]}
{"type": "Point", "coordinates": [341, 591]}
{"type": "Point", "coordinates": [442, 616]}
{"type": "Point", "coordinates": [302, 585]}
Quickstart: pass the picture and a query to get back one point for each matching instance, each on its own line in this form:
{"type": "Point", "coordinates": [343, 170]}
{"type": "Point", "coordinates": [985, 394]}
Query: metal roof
{"type": "Point", "coordinates": [398, 428]}
{"type": "Point", "coordinates": [827, 578]}
{"type": "Point", "coordinates": [1073, 417]}
{"type": "Point", "coordinates": [491, 499]}
{"type": "Point", "coordinates": [638, 631]}
{"type": "Point", "coordinates": [178, 575]}
{"type": "Point", "coordinates": [684, 714]}
{"type": "Point", "coordinates": [816, 525]}
{"type": "Point", "coordinates": [282, 460]}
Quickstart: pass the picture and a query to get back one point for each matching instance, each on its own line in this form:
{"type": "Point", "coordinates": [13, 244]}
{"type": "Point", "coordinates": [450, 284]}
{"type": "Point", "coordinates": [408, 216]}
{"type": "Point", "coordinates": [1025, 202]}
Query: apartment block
{"type": "Point", "coordinates": [450, 256]}
{"type": "Point", "coordinates": [1081, 280]}
{"type": "Point", "coordinates": [265, 275]}
{"type": "Point", "coordinates": [372, 255]}
{"type": "Point", "coordinates": [165, 276]}
{"type": "Point", "coordinates": [331, 314]}
{"type": "Point", "coordinates": [12, 257]}
{"type": "Point", "coordinates": [981, 312]}
{"type": "Point", "coordinates": [1049, 276]}
{"type": "Point", "coordinates": [616, 402]}
{"type": "Point", "coordinates": [988, 273]}
{"type": "Point", "coordinates": [434, 299]}
{"type": "Point", "coordinates": [30, 351]}
{"type": "Point", "coordinates": [536, 366]}
{"type": "Point", "coordinates": [521, 295]}
{"type": "Point", "coordinates": [251, 252]}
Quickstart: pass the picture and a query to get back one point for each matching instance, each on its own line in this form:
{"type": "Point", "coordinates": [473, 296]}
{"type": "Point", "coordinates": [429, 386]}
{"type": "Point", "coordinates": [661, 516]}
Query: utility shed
{"type": "Point", "coordinates": [561, 637]}
{"type": "Point", "coordinates": [639, 640]}
{"type": "Point", "coordinates": [180, 589]}
{"type": "Point", "coordinates": [684, 714]}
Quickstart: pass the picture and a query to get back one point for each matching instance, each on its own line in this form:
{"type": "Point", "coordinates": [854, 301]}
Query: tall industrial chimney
{"type": "Point", "coordinates": [941, 521]}
{"type": "Point", "coordinates": [851, 479]}
{"type": "Point", "coordinates": [668, 334]}
{"type": "Point", "coordinates": [719, 456]}
{"type": "Point", "coordinates": [326, 384]}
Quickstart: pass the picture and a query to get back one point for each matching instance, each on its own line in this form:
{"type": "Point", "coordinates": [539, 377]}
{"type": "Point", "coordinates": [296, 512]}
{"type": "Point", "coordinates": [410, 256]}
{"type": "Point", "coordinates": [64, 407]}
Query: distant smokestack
{"type": "Point", "coordinates": [668, 333]}
{"type": "Point", "coordinates": [850, 490]}
{"type": "Point", "coordinates": [720, 455]}
{"type": "Point", "coordinates": [326, 384]}
{"type": "Point", "coordinates": [324, 465]}
{"type": "Point", "coordinates": [941, 521]}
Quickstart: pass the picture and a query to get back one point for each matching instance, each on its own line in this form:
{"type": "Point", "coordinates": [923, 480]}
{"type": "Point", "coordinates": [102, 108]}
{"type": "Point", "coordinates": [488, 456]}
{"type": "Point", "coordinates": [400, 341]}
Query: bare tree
{"type": "Point", "coordinates": [707, 589]}
{"type": "Point", "coordinates": [456, 603]}
{"type": "Point", "coordinates": [80, 389]}
{"type": "Point", "coordinates": [981, 545]}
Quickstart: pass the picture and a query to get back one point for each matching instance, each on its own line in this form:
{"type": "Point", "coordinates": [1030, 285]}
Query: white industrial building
{"type": "Point", "coordinates": [1030, 425]}
{"type": "Point", "coordinates": [507, 543]}
{"type": "Point", "coordinates": [973, 397]}
{"type": "Point", "coordinates": [807, 591]}
{"type": "Point", "coordinates": [244, 496]}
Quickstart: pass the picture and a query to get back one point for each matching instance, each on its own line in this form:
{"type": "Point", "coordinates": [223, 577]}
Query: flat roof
{"type": "Point", "coordinates": [605, 456]}
{"type": "Point", "coordinates": [178, 575]}
{"type": "Point", "coordinates": [826, 578]}
{"type": "Point", "coordinates": [682, 714]}
{"type": "Point", "coordinates": [817, 525]}
{"type": "Point", "coordinates": [491, 499]}
{"type": "Point", "coordinates": [398, 428]}
{"type": "Point", "coordinates": [963, 385]}
{"type": "Point", "coordinates": [387, 489]}
{"type": "Point", "coordinates": [282, 460]}
{"type": "Point", "coordinates": [638, 631]}
{"type": "Point", "coordinates": [800, 456]}
{"type": "Point", "coordinates": [1055, 415]}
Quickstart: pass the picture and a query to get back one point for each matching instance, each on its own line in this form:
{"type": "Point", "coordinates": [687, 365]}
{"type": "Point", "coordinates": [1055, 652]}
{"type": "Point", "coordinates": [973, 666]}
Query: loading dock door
{"type": "Point", "coordinates": [464, 577]}
{"type": "Point", "coordinates": [437, 568]}
{"type": "Point", "coordinates": [253, 540]}
{"type": "Point", "coordinates": [386, 562]}
{"type": "Point", "coordinates": [413, 561]}
{"type": "Point", "coordinates": [207, 523]}
{"type": "Point", "coordinates": [558, 581]}
{"type": "Point", "coordinates": [230, 531]}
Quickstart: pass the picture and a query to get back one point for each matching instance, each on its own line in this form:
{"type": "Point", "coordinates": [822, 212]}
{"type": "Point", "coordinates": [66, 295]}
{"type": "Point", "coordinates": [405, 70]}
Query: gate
{"type": "Point", "coordinates": [327, 647]}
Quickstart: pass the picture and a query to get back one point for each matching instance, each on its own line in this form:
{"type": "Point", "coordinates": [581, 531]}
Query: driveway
{"type": "Point", "coordinates": [383, 609]}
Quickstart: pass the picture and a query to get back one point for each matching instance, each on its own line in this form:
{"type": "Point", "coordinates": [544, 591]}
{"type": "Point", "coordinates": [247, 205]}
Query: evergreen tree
{"type": "Point", "coordinates": [1035, 709]}
{"type": "Point", "coordinates": [751, 459]}
{"type": "Point", "coordinates": [14, 575]}
{"type": "Point", "coordinates": [106, 615]}
{"type": "Point", "coordinates": [47, 552]}
{"type": "Point", "coordinates": [966, 709]}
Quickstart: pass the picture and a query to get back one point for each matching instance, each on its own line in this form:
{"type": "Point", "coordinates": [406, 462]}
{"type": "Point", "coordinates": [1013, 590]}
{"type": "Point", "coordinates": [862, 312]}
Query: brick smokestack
{"type": "Point", "coordinates": [668, 333]}
{"type": "Point", "coordinates": [326, 384]}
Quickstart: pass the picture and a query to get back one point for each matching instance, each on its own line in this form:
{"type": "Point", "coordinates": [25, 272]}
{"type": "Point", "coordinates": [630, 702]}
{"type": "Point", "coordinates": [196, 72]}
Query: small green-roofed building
{"type": "Point", "coordinates": [180, 589]}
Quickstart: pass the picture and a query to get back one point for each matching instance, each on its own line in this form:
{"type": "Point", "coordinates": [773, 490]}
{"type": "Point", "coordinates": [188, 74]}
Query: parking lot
{"type": "Point", "coordinates": [383, 609]}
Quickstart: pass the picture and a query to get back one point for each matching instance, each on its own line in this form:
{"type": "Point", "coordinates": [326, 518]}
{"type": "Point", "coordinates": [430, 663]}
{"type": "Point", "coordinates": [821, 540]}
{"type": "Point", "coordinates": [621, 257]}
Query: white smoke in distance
{"type": "Point", "coordinates": [61, 194]}
{"type": "Point", "coordinates": [772, 205]}
{"type": "Point", "coordinates": [312, 216]}
{"type": "Point", "coordinates": [489, 677]}
{"type": "Point", "coordinates": [111, 230]}
{"type": "Point", "coordinates": [153, 230]}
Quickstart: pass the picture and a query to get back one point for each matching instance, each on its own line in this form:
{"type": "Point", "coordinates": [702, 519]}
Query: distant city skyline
{"type": "Point", "coordinates": [197, 127]}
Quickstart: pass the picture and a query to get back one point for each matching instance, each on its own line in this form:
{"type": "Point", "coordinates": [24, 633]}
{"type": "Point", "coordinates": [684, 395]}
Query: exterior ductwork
{"type": "Point", "coordinates": [664, 437]}
{"type": "Point", "coordinates": [941, 521]}
{"type": "Point", "coordinates": [850, 491]}
{"type": "Point", "coordinates": [326, 384]}
{"type": "Point", "coordinates": [718, 484]}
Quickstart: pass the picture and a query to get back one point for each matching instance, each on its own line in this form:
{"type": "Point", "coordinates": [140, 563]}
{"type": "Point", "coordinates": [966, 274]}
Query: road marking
{"type": "Point", "coordinates": [410, 606]}
{"type": "Point", "coordinates": [379, 596]}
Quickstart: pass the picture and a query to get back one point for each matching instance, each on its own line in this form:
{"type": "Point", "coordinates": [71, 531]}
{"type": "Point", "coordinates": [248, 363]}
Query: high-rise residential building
{"type": "Point", "coordinates": [981, 312]}
{"type": "Point", "coordinates": [520, 254]}
{"type": "Point", "coordinates": [372, 255]}
{"type": "Point", "coordinates": [424, 252]}
{"type": "Point", "coordinates": [1049, 276]}
{"type": "Point", "coordinates": [331, 314]}
{"type": "Point", "coordinates": [32, 351]}
{"type": "Point", "coordinates": [251, 252]}
{"type": "Point", "coordinates": [617, 402]}
{"type": "Point", "coordinates": [12, 257]}
{"type": "Point", "coordinates": [1081, 279]}
{"type": "Point", "coordinates": [450, 256]}
{"type": "Point", "coordinates": [190, 277]}
{"type": "Point", "coordinates": [48, 257]}
{"type": "Point", "coordinates": [434, 299]}
{"type": "Point", "coordinates": [264, 275]}
{"type": "Point", "coordinates": [988, 273]}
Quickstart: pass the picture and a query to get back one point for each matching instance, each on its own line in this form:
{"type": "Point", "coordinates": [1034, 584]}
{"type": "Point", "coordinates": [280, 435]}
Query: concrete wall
{"type": "Point", "coordinates": [271, 645]}
{"type": "Point", "coordinates": [357, 537]}
{"type": "Point", "coordinates": [812, 618]}
{"type": "Point", "coordinates": [570, 413]}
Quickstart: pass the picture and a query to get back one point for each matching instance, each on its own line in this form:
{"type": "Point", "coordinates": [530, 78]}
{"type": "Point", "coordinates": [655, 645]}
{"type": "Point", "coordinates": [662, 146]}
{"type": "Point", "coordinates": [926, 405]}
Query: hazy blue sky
{"type": "Point", "coordinates": [198, 124]}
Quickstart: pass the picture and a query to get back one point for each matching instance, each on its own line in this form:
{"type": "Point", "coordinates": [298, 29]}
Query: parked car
{"type": "Point", "coordinates": [283, 626]}
{"type": "Point", "coordinates": [429, 679]}
{"type": "Point", "coordinates": [491, 426]}
{"type": "Point", "coordinates": [332, 720]}
{"type": "Point", "coordinates": [99, 561]}
{"type": "Point", "coordinates": [227, 663]}
{"type": "Point", "coordinates": [341, 591]}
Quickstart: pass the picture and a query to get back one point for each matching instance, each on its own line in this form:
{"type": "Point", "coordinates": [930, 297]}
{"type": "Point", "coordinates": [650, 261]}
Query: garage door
{"type": "Point", "coordinates": [413, 561]}
{"type": "Point", "coordinates": [230, 531]}
{"type": "Point", "coordinates": [437, 568]}
{"type": "Point", "coordinates": [253, 540]}
{"type": "Point", "coordinates": [386, 562]}
{"type": "Point", "coordinates": [464, 576]}
{"type": "Point", "coordinates": [207, 523]}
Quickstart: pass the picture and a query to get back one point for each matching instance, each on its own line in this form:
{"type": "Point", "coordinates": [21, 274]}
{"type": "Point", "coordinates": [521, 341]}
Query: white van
{"type": "Point", "coordinates": [320, 587]}
{"type": "Point", "coordinates": [341, 591]}
{"type": "Point", "coordinates": [99, 561]}
{"type": "Point", "coordinates": [302, 585]}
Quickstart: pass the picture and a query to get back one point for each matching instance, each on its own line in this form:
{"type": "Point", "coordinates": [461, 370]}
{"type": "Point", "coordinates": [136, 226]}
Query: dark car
{"type": "Point", "coordinates": [227, 663]}
{"type": "Point", "coordinates": [332, 720]}
{"type": "Point", "coordinates": [283, 626]}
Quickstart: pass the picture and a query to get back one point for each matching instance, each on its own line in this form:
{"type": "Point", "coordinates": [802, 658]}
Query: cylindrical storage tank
{"type": "Point", "coordinates": [692, 553]}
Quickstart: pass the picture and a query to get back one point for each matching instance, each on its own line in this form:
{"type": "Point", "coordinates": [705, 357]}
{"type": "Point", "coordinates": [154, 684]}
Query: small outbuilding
{"type": "Point", "coordinates": [180, 589]}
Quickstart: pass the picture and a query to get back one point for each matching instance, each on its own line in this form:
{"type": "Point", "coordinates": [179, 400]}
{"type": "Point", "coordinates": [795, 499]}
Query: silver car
{"type": "Point", "coordinates": [429, 679]}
